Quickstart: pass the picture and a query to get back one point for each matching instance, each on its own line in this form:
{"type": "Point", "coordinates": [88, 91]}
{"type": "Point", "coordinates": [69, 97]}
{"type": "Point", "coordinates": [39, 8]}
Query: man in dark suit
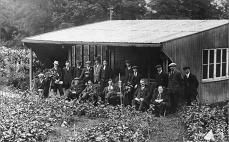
{"type": "Point", "coordinates": [41, 85]}
{"type": "Point", "coordinates": [141, 96]}
{"type": "Point", "coordinates": [68, 74]}
{"type": "Point", "coordinates": [190, 86]}
{"type": "Point", "coordinates": [89, 69]}
{"type": "Point", "coordinates": [161, 77]}
{"type": "Point", "coordinates": [105, 75]}
{"type": "Point", "coordinates": [78, 69]}
{"type": "Point", "coordinates": [57, 77]}
{"type": "Point", "coordinates": [135, 77]}
{"type": "Point", "coordinates": [160, 100]}
{"type": "Point", "coordinates": [74, 91]}
{"type": "Point", "coordinates": [128, 71]}
{"type": "Point", "coordinates": [174, 87]}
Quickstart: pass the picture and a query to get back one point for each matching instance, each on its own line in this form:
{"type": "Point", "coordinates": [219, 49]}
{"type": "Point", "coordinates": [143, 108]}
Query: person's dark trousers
{"type": "Point", "coordinates": [58, 87]}
{"type": "Point", "coordinates": [189, 97]}
{"type": "Point", "coordinates": [174, 98]}
{"type": "Point", "coordinates": [136, 104]}
{"type": "Point", "coordinates": [143, 106]}
{"type": "Point", "coordinates": [159, 109]}
{"type": "Point", "coordinates": [103, 84]}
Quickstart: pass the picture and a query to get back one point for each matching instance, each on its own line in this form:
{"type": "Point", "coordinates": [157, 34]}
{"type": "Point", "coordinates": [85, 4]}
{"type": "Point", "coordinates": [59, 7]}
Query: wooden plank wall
{"type": "Point", "coordinates": [188, 51]}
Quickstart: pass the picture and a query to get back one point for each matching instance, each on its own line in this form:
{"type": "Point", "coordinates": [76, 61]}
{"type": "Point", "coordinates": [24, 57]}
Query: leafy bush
{"type": "Point", "coordinates": [200, 119]}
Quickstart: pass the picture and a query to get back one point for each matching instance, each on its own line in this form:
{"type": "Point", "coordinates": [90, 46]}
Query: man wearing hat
{"type": "Point", "coordinates": [161, 77]}
{"type": "Point", "coordinates": [128, 71]}
{"type": "Point", "coordinates": [76, 88]}
{"type": "Point", "coordinates": [78, 69]}
{"type": "Point", "coordinates": [135, 77]}
{"type": "Point", "coordinates": [89, 69]}
{"type": "Point", "coordinates": [97, 69]}
{"type": "Point", "coordinates": [41, 85]}
{"type": "Point", "coordinates": [190, 86]}
{"type": "Point", "coordinates": [141, 96]}
{"type": "Point", "coordinates": [174, 86]}
{"type": "Point", "coordinates": [57, 77]}
{"type": "Point", "coordinates": [68, 74]}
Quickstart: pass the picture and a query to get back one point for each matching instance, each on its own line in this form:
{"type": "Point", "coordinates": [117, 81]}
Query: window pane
{"type": "Point", "coordinates": [217, 70]}
{"type": "Point", "coordinates": [211, 70]}
{"type": "Point", "coordinates": [205, 57]}
{"type": "Point", "coordinates": [205, 71]}
{"type": "Point", "coordinates": [218, 55]}
{"type": "Point", "coordinates": [211, 56]}
{"type": "Point", "coordinates": [224, 58]}
{"type": "Point", "coordinates": [224, 69]}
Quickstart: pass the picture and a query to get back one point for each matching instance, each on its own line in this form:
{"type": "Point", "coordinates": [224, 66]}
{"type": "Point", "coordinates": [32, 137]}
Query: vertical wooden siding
{"type": "Point", "coordinates": [187, 51]}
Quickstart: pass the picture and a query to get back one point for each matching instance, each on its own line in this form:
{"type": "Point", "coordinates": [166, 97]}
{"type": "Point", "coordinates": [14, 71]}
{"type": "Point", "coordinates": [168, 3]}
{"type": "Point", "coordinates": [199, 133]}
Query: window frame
{"type": "Point", "coordinates": [215, 78]}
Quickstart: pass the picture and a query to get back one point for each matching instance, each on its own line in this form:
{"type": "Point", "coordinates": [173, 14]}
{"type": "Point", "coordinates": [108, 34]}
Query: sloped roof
{"type": "Point", "coordinates": [126, 32]}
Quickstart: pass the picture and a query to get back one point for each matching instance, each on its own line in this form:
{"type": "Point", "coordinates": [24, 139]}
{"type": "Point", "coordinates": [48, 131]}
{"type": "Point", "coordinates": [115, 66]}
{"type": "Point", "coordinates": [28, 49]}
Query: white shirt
{"type": "Point", "coordinates": [187, 75]}
{"type": "Point", "coordinates": [160, 72]}
{"type": "Point", "coordinates": [104, 67]}
{"type": "Point", "coordinates": [135, 73]}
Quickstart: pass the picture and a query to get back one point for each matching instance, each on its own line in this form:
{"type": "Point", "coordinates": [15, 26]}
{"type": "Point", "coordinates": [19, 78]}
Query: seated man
{"type": "Point", "coordinates": [160, 101]}
{"type": "Point", "coordinates": [127, 93]}
{"type": "Point", "coordinates": [76, 88]}
{"type": "Point", "coordinates": [86, 77]}
{"type": "Point", "coordinates": [111, 93]}
{"type": "Point", "coordinates": [89, 93]}
{"type": "Point", "coordinates": [41, 85]}
{"type": "Point", "coordinates": [141, 96]}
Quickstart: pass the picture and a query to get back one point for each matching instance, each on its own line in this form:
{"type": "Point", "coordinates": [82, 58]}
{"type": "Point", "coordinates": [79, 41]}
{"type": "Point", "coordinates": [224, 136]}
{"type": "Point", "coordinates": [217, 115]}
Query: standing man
{"type": "Point", "coordinates": [128, 71]}
{"type": "Point", "coordinates": [105, 75]}
{"type": "Point", "coordinates": [161, 77]}
{"type": "Point", "coordinates": [97, 69]}
{"type": "Point", "coordinates": [68, 74]}
{"type": "Point", "coordinates": [190, 86]}
{"type": "Point", "coordinates": [135, 77]}
{"type": "Point", "coordinates": [89, 69]}
{"type": "Point", "coordinates": [78, 69]}
{"type": "Point", "coordinates": [174, 86]}
{"type": "Point", "coordinates": [57, 77]}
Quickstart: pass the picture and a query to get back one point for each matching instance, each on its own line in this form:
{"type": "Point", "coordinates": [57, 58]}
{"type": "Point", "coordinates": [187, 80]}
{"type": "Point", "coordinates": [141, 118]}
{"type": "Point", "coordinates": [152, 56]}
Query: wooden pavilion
{"type": "Point", "coordinates": [200, 44]}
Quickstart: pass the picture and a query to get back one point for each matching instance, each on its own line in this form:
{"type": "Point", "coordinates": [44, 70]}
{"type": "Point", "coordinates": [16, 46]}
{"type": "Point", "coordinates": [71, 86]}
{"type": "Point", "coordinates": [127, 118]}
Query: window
{"type": "Point", "coordinates": [215, 64]}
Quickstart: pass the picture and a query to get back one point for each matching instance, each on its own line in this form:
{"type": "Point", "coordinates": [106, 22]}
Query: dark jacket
{"type": "Point", "coordinates": [78, 72]}
{"type": "Point", "coordinates": [68, 75]}
{"type": "Point", "coordinates": [164, 96]}
{"type": "Point", "coordinates": [106, 74]}
{"type": "Point", "coordinates": [191, 84]}
{"type": "Point", "coordinates": [175, 80]}
{"type": "Point", "coordinates": [56, 75]}
{"type": "Point", "coordinates": [128, 74]}
{"type": "Point", "coordinates": [135, 79]}
{"type": "Point", "coordinates": [91, 74]}
{"type": "Point", "coordinates": [145, 93]}
{"type": "Point", "coordinates": [161, 79]}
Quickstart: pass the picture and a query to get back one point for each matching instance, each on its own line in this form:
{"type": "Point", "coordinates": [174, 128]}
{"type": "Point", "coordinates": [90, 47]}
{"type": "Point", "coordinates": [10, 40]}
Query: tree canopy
{"type": "Point", "coordinates": [20, 18]}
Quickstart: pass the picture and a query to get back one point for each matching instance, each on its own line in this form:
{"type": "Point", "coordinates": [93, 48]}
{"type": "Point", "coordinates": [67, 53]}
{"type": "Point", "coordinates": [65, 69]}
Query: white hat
{"type": "Point", "coordinates": [41, 75]}
{"type": "Point", "coordinates": [172, 64]}
{"type": "Point", "coordinates": [56, 62]}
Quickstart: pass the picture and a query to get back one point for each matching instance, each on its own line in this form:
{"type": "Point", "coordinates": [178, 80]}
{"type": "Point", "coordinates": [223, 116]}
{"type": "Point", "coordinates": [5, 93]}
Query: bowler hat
{"type": "Point", "coordinates": [158, 66]}
{"type": "Point", "coordinates": [172, 64]}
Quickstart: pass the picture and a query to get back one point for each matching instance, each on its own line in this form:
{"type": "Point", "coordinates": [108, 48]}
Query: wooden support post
{"type": "Point", "coordinates": [31, 69]}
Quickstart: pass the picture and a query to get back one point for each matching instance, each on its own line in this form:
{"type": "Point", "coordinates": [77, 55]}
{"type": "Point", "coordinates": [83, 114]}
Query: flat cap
{"type": "Point", "coordinates": [40, 75]}
{"type": "Point", "coordinates": [135, 67]}
{"type": "Point", "coordinates": [127, 61]}
{"type": "Point", "coordinates": [172, 64]}
{"type": "Point", "coordinates": [87, 72]}
{"type": "Point", "coordinates": [158, 66]}
{"type": "Point", "coordinates": [87, 62]}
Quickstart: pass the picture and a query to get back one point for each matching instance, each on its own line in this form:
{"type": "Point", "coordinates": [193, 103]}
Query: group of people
{"type": "Point", "coordinates": [95, 84]}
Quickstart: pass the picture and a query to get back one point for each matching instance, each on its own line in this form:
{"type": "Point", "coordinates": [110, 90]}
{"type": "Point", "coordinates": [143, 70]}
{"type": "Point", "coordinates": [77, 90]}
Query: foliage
{"type": "Point", "coordinates": [188, 9]}
{"type": "Point", "coordinates": [200, 119]}
{"type": "Point", "coordinates": [14, 64]}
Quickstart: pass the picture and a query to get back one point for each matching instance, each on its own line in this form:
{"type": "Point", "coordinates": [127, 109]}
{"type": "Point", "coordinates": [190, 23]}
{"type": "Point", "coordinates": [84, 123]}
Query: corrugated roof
{"type": "Point", "coordinates": [127, 32]}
